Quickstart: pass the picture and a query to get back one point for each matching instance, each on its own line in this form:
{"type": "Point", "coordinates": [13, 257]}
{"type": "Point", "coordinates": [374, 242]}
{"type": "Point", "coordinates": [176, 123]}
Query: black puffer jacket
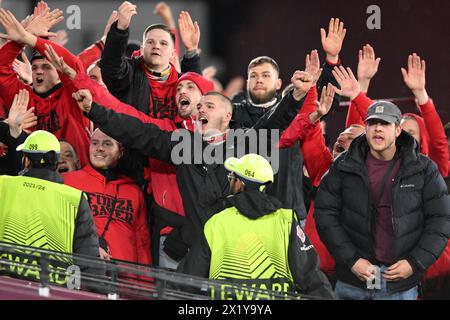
{"type": "Point", "coordinates": [420, 209]}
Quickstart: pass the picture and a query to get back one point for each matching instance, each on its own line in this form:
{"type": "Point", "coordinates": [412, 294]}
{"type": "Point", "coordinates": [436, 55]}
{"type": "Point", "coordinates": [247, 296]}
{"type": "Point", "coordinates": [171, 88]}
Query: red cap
{"type": "Point", "coordinates": [202, 83]}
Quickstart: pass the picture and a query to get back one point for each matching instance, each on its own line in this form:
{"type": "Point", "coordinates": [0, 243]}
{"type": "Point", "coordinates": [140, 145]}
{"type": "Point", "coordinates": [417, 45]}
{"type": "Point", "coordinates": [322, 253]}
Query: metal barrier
{"type": "Point", "coordinates": [55, 274]}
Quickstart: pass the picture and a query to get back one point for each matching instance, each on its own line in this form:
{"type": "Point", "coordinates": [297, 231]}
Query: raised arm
{"type": "Point", "coordinates": [190, 36]}
{"type": "Point", "coordinates": [303, 123]}
{"type": "Point", "coordinates": [115, 68]}
{"type": "Point", "coordinates": [414, 79]}
{"type": "Point", "coordinates": [367, 68]}
{"type": "Point", "coordinates": [282, 115]}
{"type": "Point", "coordinates": [148, 139]}
{"type": "Point", "coordinates": [350, 88]}
{"type": "Point", "coordinates": [38, 24]}
{"type": "Point", "coordinates": [91, 54]}
{"type": "Point", "coordinates": [80, 80]}
{"type": "Point", "coordinates": [332, 45]}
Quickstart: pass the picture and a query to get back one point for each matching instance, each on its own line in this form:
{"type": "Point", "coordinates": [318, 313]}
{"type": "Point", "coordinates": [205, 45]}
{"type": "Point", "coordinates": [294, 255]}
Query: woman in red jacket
{"type": "Point", "coordinates": [116, 202]}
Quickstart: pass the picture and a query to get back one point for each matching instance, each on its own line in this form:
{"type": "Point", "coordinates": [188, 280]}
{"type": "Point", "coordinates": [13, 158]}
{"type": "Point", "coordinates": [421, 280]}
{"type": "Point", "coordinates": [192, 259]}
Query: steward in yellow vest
{"type": "Point", "coordinates": [38, 210]}
{"type": "Point", "coordinates": [255, 243]}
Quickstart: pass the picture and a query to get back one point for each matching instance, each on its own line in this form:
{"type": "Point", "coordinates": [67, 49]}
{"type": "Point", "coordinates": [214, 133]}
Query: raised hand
{"type": "Point", "coordinates": [302, 82]}
{"type": "Point", "coordinates": [346, 79]}
{"type": "Point", "coordinates": [163, 10]}
{"type": "Point", "coordinates": [313, 65]}
{"type": "Point", "coordinates": [125, 12]}
{"type": "Point", "coordinates": [234, 86]}
{"type": "Point", "coordinates": [84, 99]}
{"type": "Point", "coordinates": [59, 63]}
{"type": "Point", "coordinates": [189, 31]}
{"type": "Point", "coordinates": [326, 100]}
{"type": "Point", "coordinates": [367, 66]}
{"type": "Point", "coordinates": [40, 8]}
{"type": "Point", "coordinates": [14, 30]}
{"type": "Point", "coordinates": [414, 77]}
{"type": "Point", "coordinates": [209, 72]}
{"type": "Point", "coordinates": [23, 69]}
{"type": "Point", "coordinates": [19, 118]}
{"type": "Point", "coordinates": [62, 38]}
{"type": "Point", "coordinates": [112, 18]}
{"type": "Point", "coordinates": [332, 43]}
{"type": "Point", "coordinates": [42, 21]}
{"type": "Point", "coordinates": [324, 106]}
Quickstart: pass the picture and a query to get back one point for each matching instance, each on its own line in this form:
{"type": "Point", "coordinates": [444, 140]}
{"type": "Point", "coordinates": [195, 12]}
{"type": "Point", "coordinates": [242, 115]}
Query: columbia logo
{"type": "Point", "coordinates": [407, 186]}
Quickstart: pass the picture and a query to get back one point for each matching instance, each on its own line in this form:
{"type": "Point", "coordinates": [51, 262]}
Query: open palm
{"type": "Point", "coordinates": [332, 43]}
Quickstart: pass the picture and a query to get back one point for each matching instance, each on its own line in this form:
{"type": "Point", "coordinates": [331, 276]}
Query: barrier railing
{"type": "Point", "coordinates": [56, 273]}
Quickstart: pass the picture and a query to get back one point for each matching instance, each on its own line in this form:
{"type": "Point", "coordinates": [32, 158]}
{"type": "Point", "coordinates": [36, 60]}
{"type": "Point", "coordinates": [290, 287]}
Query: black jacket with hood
{"type": "Point", "coordinates": [203, 185]}
{"type": "Point", "coordinates": [302, 261]}
{"type": "Point", "coordinates": [420, 212]}
{"type": "Point", "coordinates": [288, 184]}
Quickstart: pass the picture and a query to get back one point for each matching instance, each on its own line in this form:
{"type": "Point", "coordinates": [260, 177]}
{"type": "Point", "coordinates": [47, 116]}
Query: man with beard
{"type": "Point", "coordinates": [262, 99]}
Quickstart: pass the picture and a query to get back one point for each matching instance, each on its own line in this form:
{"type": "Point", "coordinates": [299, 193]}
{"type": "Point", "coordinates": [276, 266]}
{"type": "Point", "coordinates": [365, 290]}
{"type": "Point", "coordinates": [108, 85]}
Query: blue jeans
{"type": "Point", "coordinates": [345, 291]}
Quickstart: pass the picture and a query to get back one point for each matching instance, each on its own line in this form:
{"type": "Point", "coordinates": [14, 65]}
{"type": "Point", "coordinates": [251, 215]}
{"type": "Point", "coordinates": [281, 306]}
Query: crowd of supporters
{"type": "Point", "coordinates": [135, 124]}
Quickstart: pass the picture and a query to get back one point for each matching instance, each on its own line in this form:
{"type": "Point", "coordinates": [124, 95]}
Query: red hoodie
{"type": "Point", "coordinates": [58, 113]}
{"type": "Point", "coordinates": [162, 98]}
{"type": "Point", "coordinates": [91, 54]}
{"type": "Point", "coordinates": [127, 236]}
{"type": "Point", "coordinates": [433, 140]}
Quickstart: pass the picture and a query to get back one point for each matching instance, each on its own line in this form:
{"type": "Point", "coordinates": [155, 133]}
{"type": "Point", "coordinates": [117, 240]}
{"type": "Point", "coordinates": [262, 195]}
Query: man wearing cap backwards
{"type": "Point", "coordinates": [37, 210]}
{"type": "Point", "coordinates": [255, 222]}
{"type": "Point", "coordinates": [382, 205]}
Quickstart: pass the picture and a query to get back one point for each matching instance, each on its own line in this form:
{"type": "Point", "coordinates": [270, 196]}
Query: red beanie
{"type": "Point", "coordinates": [202, 83]}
